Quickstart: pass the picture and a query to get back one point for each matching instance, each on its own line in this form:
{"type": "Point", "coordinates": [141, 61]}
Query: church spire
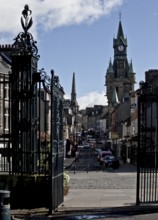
{"type": "Point", "coordinates": [73, 91]}
{"type": "Point", "coordinates": [120, 34]}
{"type": "Point", "coordinates": [74, 103]}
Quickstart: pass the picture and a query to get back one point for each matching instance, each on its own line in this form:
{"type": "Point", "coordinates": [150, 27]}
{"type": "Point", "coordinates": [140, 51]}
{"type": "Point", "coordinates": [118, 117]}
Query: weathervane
{"type": "Point", "coordinates": [24, 42]}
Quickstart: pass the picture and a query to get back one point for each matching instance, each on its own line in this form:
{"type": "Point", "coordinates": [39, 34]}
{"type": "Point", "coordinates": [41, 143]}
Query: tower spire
{"type": "Point", "coordinates": [73, 92]}
{"type": "Point", "coordinates": [74, 103]}
{"type": "Point", "coordinates": [120, 33]}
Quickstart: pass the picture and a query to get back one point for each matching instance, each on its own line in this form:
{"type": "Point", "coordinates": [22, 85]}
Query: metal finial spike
{"type": "Point", "coordinates": [25, 11]}
{"type": "Point", "coordinates": [120, 16]}
{"type": "Point", "coordinates": [25, 21]}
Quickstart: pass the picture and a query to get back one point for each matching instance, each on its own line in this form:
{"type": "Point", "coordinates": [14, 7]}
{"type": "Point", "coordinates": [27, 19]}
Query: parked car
{"type": "Point", "coordinates": [111, 161]}
{"type": "Point", "coordinates": [102, 155]}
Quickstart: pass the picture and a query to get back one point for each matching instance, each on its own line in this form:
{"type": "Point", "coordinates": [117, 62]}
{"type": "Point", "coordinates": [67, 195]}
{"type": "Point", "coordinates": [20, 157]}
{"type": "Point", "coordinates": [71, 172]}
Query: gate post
{"type": "Point", "coordinates": [24, 101]}
{"type": "Point", "coordinates": [27, 95]}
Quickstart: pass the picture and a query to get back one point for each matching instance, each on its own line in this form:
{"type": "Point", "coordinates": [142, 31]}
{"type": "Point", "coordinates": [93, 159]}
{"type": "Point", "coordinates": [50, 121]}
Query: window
{"type": "Point", "coordinates": [6, 119]}
{"type": "Point", "coordinates": [6, 91]}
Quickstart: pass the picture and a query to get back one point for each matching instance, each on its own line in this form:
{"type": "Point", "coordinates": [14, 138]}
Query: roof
{"type": "Point", "coordinates": [120, 33]}
{"type": "Point", "coordinates": [5, 68]}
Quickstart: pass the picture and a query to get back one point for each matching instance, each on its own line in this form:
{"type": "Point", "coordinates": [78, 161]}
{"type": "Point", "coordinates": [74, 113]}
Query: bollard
{"type": "Point", "coordinates": [4, 205]}
{"type": "Point", "coordinates": [87, 168]}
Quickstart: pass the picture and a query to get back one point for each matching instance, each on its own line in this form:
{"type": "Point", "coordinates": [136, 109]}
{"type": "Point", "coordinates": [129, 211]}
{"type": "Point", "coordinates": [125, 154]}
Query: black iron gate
{"type": "Point", "coordinates": [147, 163]}
{"type": "Point", "coordinates": [31, 126]}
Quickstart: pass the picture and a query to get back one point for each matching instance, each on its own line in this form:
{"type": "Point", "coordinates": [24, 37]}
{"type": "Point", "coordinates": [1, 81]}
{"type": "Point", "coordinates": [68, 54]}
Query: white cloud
{"type": "Point", "coordinates": [91, 99]}
{"type": "Point", "coordinates": [49, 14]}
{"type": "Point", "coordinates": [70, 12]}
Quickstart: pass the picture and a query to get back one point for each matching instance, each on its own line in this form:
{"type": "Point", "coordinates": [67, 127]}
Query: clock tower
{"type": "Point", "coordinates": [120, 77]}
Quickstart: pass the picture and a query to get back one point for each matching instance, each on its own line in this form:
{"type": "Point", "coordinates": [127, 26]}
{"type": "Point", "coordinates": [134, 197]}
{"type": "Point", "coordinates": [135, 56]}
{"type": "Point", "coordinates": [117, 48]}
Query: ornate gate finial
{"type": "Point", "coordinates": [24, 42]}
{"type": "Point", "coordinates": [28, 22]}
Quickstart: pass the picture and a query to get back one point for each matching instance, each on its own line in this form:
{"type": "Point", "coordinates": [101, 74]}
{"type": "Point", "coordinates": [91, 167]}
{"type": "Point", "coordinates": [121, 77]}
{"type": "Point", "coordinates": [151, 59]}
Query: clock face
{"type": "Point", "coordinates": [120, 47]}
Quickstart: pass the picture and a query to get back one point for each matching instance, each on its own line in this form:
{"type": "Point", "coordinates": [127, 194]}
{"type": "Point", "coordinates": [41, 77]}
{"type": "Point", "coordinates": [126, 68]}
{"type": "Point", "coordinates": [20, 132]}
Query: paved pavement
{"type": "Point", "coordinates": [111, 188]}
{"type": "Point", "coordinates": [101, 195]}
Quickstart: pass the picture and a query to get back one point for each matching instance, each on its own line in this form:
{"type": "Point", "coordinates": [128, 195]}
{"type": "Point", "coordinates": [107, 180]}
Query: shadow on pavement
{"type": "Point", "coordinates": [104, 213]}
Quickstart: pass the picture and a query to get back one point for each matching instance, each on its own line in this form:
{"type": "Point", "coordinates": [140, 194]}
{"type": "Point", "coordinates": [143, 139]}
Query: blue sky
{"type": "Point", "coordinates": [77, 36]}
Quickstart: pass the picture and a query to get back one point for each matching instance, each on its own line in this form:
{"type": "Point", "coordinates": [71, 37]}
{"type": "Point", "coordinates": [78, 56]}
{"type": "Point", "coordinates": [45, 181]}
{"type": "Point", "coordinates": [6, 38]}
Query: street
{"type": "Point", "coordinates": [108, 194]}
{"type": "Point", "coordinates": [87, 161]}
{"type": "Point", "coordinates": [91, 186]}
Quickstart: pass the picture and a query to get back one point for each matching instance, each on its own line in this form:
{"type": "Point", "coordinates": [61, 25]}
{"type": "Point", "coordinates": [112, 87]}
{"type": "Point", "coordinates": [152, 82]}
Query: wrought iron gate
{"type": "Point", "coordinates": [147, 163]}
{"type": "Point", "coordinates": [31, 122]}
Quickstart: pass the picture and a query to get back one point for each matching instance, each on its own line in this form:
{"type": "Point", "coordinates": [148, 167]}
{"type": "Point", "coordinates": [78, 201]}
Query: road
{"type": "Point", "coordinates": [112, 187]}
{"type": "Point", "coordinates": [87, 162]}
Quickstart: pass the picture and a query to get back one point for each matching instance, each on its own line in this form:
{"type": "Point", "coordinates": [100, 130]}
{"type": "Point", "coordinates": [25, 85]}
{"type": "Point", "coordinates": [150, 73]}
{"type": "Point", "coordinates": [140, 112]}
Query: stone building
{"type": "Point", "coordinates": [5, 69]}
{"type": "Point", "coordinates": [94, 117]}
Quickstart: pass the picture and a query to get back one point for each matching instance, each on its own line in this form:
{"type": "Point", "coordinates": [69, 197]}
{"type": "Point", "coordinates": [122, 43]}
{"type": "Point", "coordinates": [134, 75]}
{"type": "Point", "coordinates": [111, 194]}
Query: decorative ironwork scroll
{"type": "Point", "coordinates": [48, 81]}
